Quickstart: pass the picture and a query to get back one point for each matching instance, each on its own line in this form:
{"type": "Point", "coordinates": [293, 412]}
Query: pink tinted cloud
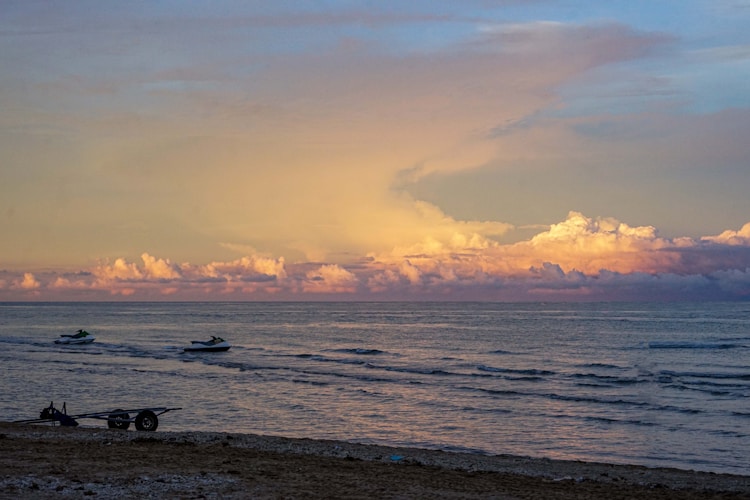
{"type": "Point", "coordinates": [29, 282]}
{"type": "Point", "coordinates": [576, 256]}
{"type": "Point", "coordinates": [580, 258]}
{"type": "Point", "coordinates": [586, 45]}
{"type": "Point", "coordinates": [330, 278]}
{"type": "Point", "coordinates": [577, 244]}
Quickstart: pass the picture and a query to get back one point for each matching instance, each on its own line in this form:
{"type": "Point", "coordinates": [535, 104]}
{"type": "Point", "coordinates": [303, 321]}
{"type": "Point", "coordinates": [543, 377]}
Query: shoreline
{"type": "Point", "coordinates": [44, 461]}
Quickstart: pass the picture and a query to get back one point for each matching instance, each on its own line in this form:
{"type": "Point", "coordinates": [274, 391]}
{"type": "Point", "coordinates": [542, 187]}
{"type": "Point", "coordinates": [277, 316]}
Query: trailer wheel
{"type": "Point", "coordinates": [146, 421]}
{"type": "Point", "coordinates": [118, 419]}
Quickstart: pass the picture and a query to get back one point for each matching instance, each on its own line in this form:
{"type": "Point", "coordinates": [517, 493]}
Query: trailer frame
{"type": "Point", "coordinates": [145, 419]}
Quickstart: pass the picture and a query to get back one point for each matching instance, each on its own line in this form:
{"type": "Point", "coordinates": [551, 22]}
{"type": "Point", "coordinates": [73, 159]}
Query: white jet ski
{"type": "Point", "coordinates": [80, 337]}
{"type": "Point", "coordinates": [216, 344]}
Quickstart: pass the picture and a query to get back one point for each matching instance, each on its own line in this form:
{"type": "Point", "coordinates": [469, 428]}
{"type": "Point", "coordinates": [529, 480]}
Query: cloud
{"type": "Point", "coordinates": [289, 152]}
{"type": "Point", "coordinates": [330, 278]}
{"type": "Point", "coordinates": [578, 243]}
{"type": "Point", "coordinates": [589, 245]}
{"type": "Point", "coordinates": [29, 282]}
{"type": "Point", "coordinates": [302, 152]}
{"type": "Point", "coordinates": [733, 238]}
{"type": "Point", "coordinates": [585, 45]}
{"type": "Point", "coordinates": [579, 258]}
{"type": "Point", "coordinates": [120, 270]}
{"type": "Point", "coordinates": [249, 268]}
{"type": "Point", "coordinates": [159, 268]}
{"type": "Point", "coordinates": [580, 254]}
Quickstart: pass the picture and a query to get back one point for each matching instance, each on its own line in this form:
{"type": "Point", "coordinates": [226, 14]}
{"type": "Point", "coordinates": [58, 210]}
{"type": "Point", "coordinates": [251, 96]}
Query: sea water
{"type": "Point", "coordinates": [653, 384]}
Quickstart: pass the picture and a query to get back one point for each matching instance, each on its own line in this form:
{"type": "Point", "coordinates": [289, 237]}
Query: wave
{"type": "Point", "coordinates": [416, 371]}
{"type": "Point", "coordinates": [608, 379]}
{"type": "Point", "coordinates": [557, 397]}
{"type": "Point", "coordinates": [610, 420]}
{"type": "Point", "coordinates": [361, 351]}
{"type": "Point", "coordinates": [318, 357]}
{"type": "Point", "coordinates": [709, 375]}
{"type": "Point", "coordinates": [526, 371]}
{"type": "Point", "coordinates": [600, 365]}
{"type": "Point", "coordinates": [712, 392]}
{"type": "Point", "coordinates": [594, 400]}
{"type": "Point", "coordinates": [693, 345]}
{"type": "Point", "coordinates": [496, 392]}
{"type": "Point", "coordinates": [729, 434]}
{"type": "Point", "coordinates": [586, 401]}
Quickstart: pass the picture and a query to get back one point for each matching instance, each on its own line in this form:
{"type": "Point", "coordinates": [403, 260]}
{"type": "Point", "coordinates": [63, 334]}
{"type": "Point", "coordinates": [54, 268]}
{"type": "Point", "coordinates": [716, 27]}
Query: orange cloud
{"type": "Point", "coordinates": [159, 268]}
{"type": "Point", "coordinates": [578, 243]}
{"type": "Point", "coordinates": [119, 270]}
{"type": "Point", "coordinates": [330, 278]}
{"type": "Point", "coordinates": [245, 265]}
{"type": "Point", "coordinates": [741, 237]}
{"type": "Point", "coordinates": [29, 282]}
{"type": "Point", "coordinates": [590, 245]}
{"type": "Point", "coordinates": [579, 257]}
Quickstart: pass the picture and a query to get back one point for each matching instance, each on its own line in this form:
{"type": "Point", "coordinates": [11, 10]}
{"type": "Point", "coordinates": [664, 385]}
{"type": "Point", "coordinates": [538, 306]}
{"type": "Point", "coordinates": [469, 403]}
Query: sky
{"type": "Point", "coordinates": [491, 150]}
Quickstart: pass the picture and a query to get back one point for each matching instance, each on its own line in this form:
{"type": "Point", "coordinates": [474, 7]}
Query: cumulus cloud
{"type": "Point", "coordinates": [119, 270]}
{"type": "Point", "coordinates": [729, 237]}
{"type": "Point", "coordinates": [330, 278]}
{"type": "Point", "coordinates": [234, 269]}
{"type": "Point", "coordinates": [29, 282]}
{"type": "Point", "coordinates": [590, 245]}
{"type": "Point", "coordinates": [580, 253]}
{"type": "Point", "coordinates": [579, 258]}
{"type": "Point", "coordinates": [578, 243]}
{"type": "Point", "coordinates": [26, 285]}
{"type": "Point", "coordinates": [159, 268]}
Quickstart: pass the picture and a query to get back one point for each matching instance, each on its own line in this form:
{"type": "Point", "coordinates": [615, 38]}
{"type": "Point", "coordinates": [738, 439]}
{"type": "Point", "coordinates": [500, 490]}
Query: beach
{"type": "Point", "coordinates": [44, 461]}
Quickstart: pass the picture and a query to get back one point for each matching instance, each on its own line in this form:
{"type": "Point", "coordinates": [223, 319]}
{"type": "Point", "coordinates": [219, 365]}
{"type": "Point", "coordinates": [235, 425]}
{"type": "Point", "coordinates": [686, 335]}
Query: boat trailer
{"type": "Point", "coordinates": [145, 419]}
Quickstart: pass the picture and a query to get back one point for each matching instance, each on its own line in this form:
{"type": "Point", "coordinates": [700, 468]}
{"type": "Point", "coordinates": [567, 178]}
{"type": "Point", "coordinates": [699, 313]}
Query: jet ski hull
{"type": "Point", "coordinates": [75, 339]}
{"type": "Point", "coordinates": [197, 346]}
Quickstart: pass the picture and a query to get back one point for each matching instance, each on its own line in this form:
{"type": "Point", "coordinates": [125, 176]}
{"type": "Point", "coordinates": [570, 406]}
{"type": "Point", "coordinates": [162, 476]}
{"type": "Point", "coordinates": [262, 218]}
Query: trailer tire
{"type": "Point", "coordinates": [118, 419]}
{"type": "Point", "coordinates": [146, 421]}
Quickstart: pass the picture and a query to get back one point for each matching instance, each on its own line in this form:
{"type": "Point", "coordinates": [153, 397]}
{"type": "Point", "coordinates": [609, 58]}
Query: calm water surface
{"type": "Point", "coordinates": [651, 384]}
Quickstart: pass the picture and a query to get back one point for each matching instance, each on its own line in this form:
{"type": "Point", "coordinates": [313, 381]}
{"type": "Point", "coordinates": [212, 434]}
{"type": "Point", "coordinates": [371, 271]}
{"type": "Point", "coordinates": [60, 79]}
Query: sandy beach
{"type": "Point", "coordinates": [41, 461]}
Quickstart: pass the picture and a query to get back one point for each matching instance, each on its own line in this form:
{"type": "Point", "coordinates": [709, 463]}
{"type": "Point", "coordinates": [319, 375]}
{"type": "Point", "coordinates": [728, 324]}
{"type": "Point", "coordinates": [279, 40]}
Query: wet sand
{"type": "Point", "coordinates": [43, 461]}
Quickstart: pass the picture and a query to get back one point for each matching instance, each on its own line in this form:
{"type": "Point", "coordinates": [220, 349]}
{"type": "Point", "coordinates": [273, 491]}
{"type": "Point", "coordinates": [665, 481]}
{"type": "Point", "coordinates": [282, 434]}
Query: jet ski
{"type": "Point", "coordinates": [80, 337]}
{"type": "Point", "coordinates": [216, 344]}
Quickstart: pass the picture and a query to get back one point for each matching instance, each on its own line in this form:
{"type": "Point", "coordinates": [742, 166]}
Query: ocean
{"type": "Point", "coordinates": [654, 384]}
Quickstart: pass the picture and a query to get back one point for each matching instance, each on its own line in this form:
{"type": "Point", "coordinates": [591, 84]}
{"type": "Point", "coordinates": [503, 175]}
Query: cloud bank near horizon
{"type": "Point", "coordinates": [580, 258]}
